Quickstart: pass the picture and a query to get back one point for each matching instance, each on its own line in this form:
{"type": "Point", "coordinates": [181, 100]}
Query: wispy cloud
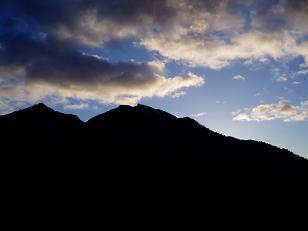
{"type": "Point", "coordinates": [178, 94]}
{"type": "Point", "coordinates": [199, 114]}
{"type": "Point", "coordinates": [258, 94]}
{"type": "Point", "coordinates": [79, 106]}
{"type": "Point", "coordinates": [221, 101]}
{"type": "Point", "coordinates": [296, 83]}
{"type": "Point", "coordinates": [300, 73]}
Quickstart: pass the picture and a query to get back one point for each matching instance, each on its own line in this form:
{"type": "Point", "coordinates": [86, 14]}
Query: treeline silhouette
{"type": "Point", "coordinates": [139, 136]}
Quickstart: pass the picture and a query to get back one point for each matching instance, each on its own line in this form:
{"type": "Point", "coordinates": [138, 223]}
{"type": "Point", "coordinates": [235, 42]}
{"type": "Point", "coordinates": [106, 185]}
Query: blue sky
{"type": "Point", "coordinates": [238, 67]}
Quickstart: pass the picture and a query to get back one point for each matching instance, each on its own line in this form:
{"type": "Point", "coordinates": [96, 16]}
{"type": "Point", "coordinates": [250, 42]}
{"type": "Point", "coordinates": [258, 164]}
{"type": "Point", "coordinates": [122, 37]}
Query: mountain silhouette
{"type": "Point", "coordinates": [137, 134]}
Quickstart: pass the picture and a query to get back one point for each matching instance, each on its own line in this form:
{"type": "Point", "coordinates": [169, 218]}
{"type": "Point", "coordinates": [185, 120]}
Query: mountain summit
{"type": "Point", "coordinates": [135, 133]}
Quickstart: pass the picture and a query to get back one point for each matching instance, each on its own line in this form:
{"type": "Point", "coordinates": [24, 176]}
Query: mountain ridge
{"type": "Point", "coordinates": [43, 108]}
{"type": "Point", "coordinates": [136, 134]}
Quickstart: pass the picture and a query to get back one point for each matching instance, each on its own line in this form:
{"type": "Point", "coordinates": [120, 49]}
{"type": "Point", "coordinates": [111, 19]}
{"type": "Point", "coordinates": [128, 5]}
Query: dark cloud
{"type": "Point", "coordinates": [75, 19]}
{"type": "Point", "coordinates": [268, 16]}
{"type": "Point", "coordinates": [301, 5]}
{"type": "Point", "coordinates": [55, 61]}
{"type": "Point", "coordinates": [39, 48]}
{"type": "Point", "coordinates": [95, 21]}
{"type": "Point", "coordinates": [280, 15]}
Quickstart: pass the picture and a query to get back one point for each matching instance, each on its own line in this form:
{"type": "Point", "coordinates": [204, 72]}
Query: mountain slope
{"type": "Point", "coordinates": [135, 133]}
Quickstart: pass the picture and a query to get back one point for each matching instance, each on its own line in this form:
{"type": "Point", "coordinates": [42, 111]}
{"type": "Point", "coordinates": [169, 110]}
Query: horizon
{"type": "Point", "coordinates": [238, 67]}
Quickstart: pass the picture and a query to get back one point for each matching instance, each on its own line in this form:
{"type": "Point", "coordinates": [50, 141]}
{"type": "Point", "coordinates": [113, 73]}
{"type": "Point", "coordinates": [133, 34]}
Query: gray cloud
{"type": "Point", "coordinates": [55, 62]}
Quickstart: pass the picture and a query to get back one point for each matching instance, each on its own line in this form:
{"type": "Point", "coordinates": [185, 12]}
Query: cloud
{"type": "Point", "coordinates": [300, 73]}
{"type": "Point", "coordinates": [258, 94]}
{"type": "Point", "coordinates": [217, 53]}
{"type": "Point", "coordinates": [5, 107]}
{"type": "Point", "coordinates": [281, 74]}
{"type": "Point", "coordinates": [108, 92]}
{"type": "Point", "coordinates": [239, 77]}
{"type": "Point", "coordinates": [221, 101]}
{"type": "Point", "coordinates": [178, 94]}
{"type": "Point", "coordinates": [271, 35]}
{"type": "Point", "coordinates": [277, 15]}
{"type": "Point", "coordinates": [199, 114]}
{"type": "Point", "coordinates": [296, 83]}
{"type": "Point", "coordinates": [280, 110]}
{"type": "Point", "coordinates": [79, 106]}
{"type": "Point", "coordinates": [199, 32]}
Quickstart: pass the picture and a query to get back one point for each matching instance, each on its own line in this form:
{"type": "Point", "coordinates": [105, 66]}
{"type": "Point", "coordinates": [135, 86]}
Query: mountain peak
{"type": "Point", "coordinates": [142, 110]}
{"type": "Point", "coordinates": [124, 107]}
{"type": "Point", "coordinates": [141, 106]}
{"type": "Point", "coordinates": [138, 106]}
{"type": "Point", "coordinates": [40, 106]}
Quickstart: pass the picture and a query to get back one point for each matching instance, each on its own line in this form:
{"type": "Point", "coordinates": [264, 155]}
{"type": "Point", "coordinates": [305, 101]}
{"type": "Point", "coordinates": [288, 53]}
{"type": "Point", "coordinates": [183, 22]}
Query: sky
{"type": "Point", "coordinates": [238, 67]}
